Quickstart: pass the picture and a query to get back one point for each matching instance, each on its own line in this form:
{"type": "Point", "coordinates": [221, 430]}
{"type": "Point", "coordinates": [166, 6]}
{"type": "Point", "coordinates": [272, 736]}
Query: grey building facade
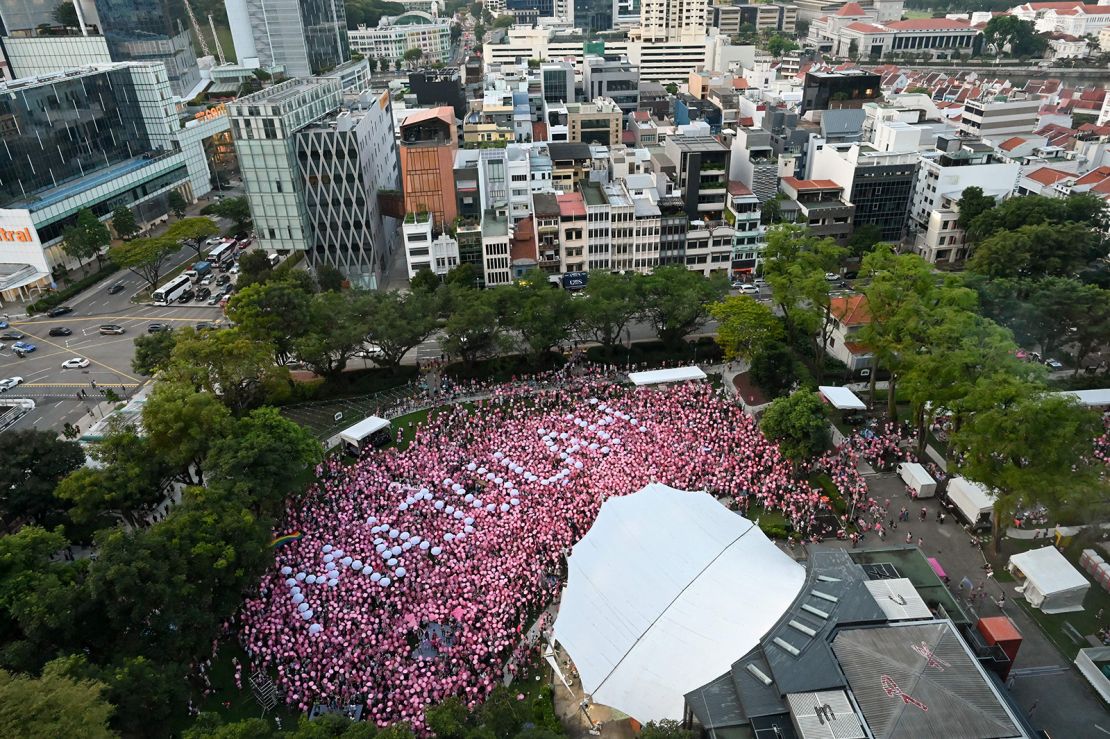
{"type": "Point", "coordinates": [304, 37]}
{"type": "Point", "coordinates": [612, 77]}
{"type": "Point", "coordinates": [145, 31]}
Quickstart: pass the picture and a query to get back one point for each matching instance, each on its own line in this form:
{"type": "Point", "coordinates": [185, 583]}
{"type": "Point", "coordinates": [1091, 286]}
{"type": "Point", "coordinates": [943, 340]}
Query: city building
{"type": "Point", "coordinates": [34, 43]}
{"type": "Point", "coordinates": [672, 20]}
{"type": "Point", "coordinates": [265, 126]}
{"type": "Point", "coordinates": [122, 144]}
{"type": "Point", "coordinates": [850, 314]}
{"type": "Point", "coordinates": [297, 37]}
{"type": "Point", "coordinates": [424, 249]}
{"type": "Point", "coordinates": [853, 33]}
{"type": "Point", "coordinates": [557, 82]}
{"type": "Point", "coordinates": [879, 10]}
{"type": "Point", "coordinates": [593, 16]}
{"type": "Point", "coordinates": [880, 184]}
{"type": "Point", "coordinates": [428, 146]}
{"type": "Point", "coordinates": [394, 36]}
{"type": "Point", "coordinates": [850, 88]}
{"type": "Point", "coordinates": [996, 120]}
{"type": "Point", "coordinates": [596, 122]}
{"type": "Point", "coordinates": [145, 30]}
{"type": "Point", "coordinates": [345, 158]}
{"type": "Point", "coordinates": [730, 18]}
{"type": "Point", "coordinates": [701, 166]}
{"type": "Point", "coordinates": [943, 241]}
{"type": "Point", "coordinates": [433, 88]}
{"type": "Point", "coordinates": [743, 212]}
{"type": "Point", "coordinates": [572, 232]}
{"type": "Point", "coordinates": [820, 204]}
{"type": "Point", "coordinates": [612, 77]}
{"type": "Point", "coordinates": [954, 165]}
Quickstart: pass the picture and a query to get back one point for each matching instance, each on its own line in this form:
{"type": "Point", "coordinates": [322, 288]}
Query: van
{"type": "Point", "coordinates": [274, 259]}
{"type": "Point", "coordinates": [111, 329]}
{"type": "Point", "coordinates": [191, 274]}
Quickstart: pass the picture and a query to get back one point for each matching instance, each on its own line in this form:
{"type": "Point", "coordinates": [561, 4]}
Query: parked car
{"type": "Point", "coordinates": [23, 346]}
{"type": "Point", "coordinates": [203, 294]}
{"type": "Point", "coordinates": [205, 325]}
{"type": "Point", "coordinates": [223, 279]}
{"type": "Point", "coordinates": [749, 289]}
{"type": "Point", "coordinates": [234, 269]}
{"type": "Point", "coordinates": [60, 310]}
{"type": "Point", "coordinates": [75, 363]}
{"type": "Point", "coordinates": [214, 299]}
{"type": "Point", "coordinates": [9, 383]}
{"type": "Point", "coordinates": [155, 328]}
{"type": "Point", "coordinates": [206, 280]}
{"type": "Point", "coordinates": [228, 289]}
{"type": "Point", "coordinates": [832, 276]}
{"type": "Point", "coordinates": [13, 335]}
{"type": "Point", "coordinates": [1053, 364]}
{"type": "Point", "coordinates": [111, 329]}
{"type": "Point", "coordinates": [186, 296]}
{"type": "Point", "coordinates": [3, 324]}
{"type": "Point", "coordinates": [60, 331]}
{"type": "Point", "coordinates": [116, 288]}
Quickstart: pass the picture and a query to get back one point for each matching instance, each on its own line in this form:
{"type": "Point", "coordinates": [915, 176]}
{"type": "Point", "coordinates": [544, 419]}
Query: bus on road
{"type": "Point", "coordinates": [222, 255]}
{"type": "Point", "coordinates": [169, 292]}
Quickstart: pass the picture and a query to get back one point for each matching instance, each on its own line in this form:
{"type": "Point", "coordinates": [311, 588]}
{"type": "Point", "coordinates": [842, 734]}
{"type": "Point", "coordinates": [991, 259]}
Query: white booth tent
{"type": "Point", "coordinates": [973, 500]}
{"type": "Point", "coordinates": [918, 478]}
{"type": "Point", "coordinates": [841, 398]}
{"type": "Point", "coordinates": [1051, 584]}
{"type": "Point", "coordinates": [664, 592]}
{"type": "Point", "coordinates": [367, 427]}
{"type": "Point", "coordinates": [658, 377]}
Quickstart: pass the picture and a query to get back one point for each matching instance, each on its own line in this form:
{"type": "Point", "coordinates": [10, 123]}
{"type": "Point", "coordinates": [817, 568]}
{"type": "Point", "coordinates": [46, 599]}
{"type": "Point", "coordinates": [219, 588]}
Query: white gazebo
{"type": "Point", "coordinates": [1051, 584]}
{"type": "Point", "coordinates": [659, 377]}
{"type": "Point", "coordinates": [664, 592]}
{"type": "Point", "coordinates": [841, 398]}
{"type": "Point", "coordinates": [355, 436]}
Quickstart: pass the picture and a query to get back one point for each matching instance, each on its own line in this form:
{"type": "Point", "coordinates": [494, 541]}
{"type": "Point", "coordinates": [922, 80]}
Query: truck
{"type": "Point", "coordinates": [202, 270]}
{"type": "Point", "coordinates": [972, 501]}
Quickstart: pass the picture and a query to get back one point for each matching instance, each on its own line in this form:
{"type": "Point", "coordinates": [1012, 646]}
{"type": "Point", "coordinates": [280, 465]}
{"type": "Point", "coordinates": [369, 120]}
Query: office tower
{"type": "Point", "coordinates": [612, 77]}
{"type": "Point", "coordinates": [43, 36]}
{"type": "Point", "coordinates": [301, 37]}
{"type": "Point", "coordinates": [672, 20]}
{"type": "Point", "coordinates": [593, 16]}
{"type": "Point", "coordinates": [146, 31]}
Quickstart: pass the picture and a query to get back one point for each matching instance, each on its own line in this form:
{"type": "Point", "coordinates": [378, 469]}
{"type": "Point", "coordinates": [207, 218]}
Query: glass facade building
{"type": "Point", "coordinates": [146, 31]}
{"type": "Point", "coordinates": [305, 37]}
{"type": "Point", "coordinates": [24, 17]}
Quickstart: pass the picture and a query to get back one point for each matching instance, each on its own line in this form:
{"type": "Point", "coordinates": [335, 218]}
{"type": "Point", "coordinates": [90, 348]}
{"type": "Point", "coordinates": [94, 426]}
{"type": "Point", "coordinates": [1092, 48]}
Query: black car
{"type": "Point", "coordinates": [228, 289]}
{"type": "Point", "coordinates": [186, 296]}
{"type": "Point", "coordinates": [203, 294]}
{"type": "Point", "coordinates": [205, 326]}
{"type": "Point", "coordinates": [61, 310]}
{"type": "Point", "coordinates": [223, 279]}
{"type": "Point", "coordinates": [116, 288]}
{"type": "Point", "coordinates": [13, 336]}
{"type": "Point", "coordinates": [155, 328]}
{"type": "Point", "coordinates": [60, 331]}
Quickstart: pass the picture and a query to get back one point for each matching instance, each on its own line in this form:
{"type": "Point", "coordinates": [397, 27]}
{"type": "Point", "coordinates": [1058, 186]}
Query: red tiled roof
{"type": "Point", "coordinates": [628, 137]}
{"type": "Point", "coordinates": [1094, 176]}
{"type": "Point", "coordinates": [1052, 5]}
{"type": "Point", "coordinates": [1011, 144]}
{"type": "Point", "coordinates": [571, 205]}
{"type": "Point", "coordinates": [444, 113]}
{"type": "Point", "coordinates": [866, 27]}
{"type": "Point", "coordinates": [1048, 175]}
{"type": "Point", "coordinates": [929, 24]}
{"type": "Point", "coordinates": [738, 189]}
{"type": "Point", "coordinates": [852, 310]}
{"type": "Point", "coordinates": [797, 184]}
{"type": "Point", "coordinates": [524, 241]}
{"type": "Point", "coordinates": [856, 348]}
{"type": "Point", "coordinates": [539, 131]}
{"type": "Point", "coordinates": [641, 115]}
{"type": "Point", "coordinates": [747, 121]}
{"type": "Point", "coordinates": [850, 9]}
{"type": "Point", "coordinates": [739, 83]}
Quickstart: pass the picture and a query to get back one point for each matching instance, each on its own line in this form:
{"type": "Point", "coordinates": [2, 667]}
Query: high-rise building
{"type": "Point", "coordinates": [146, 31]}
{"type": "Point", "coordinates": [300, 37]}
{"type": "Point", "coordinates": [428, 147]}
{"type": "Point", "coordinates": [593, 16]}
{"type": "Point", "coordinates": [40, 37]}
{"type": "Point", "coordinates": [879, 183]}
{"type": "Point", "coordinates": [672, 20]}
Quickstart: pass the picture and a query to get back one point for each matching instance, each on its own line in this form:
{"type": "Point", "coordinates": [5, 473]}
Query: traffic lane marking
{"type": "Point", "coordinates": [79, 384]}
{"type": "Point", "coordinates": [95, 361]}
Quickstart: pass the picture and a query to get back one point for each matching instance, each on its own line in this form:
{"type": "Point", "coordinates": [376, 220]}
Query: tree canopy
{"type": "Point", "coordinates": [797, 423]}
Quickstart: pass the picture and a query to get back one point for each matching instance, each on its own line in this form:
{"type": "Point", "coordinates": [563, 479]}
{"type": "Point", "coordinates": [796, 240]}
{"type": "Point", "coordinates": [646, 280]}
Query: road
{"type": "Point", "coordinates": [55, 390]}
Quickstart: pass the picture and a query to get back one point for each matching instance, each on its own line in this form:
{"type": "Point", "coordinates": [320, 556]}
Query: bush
{"type": "Point", "coordinates": [61, 296]}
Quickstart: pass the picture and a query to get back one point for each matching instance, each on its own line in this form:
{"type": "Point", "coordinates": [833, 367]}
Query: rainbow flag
{"type": "Point", "coordinates": [283, 540]}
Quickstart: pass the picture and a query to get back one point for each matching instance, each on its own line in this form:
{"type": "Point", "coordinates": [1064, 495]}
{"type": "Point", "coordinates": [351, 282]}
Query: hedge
{"type": "Point", "coordinates": [61, 296]}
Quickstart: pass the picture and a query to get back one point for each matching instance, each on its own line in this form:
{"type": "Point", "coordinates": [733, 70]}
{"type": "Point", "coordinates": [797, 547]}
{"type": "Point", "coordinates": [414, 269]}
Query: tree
{"type": "Point", "coordinates": [230, 365]}
{"type": "Point", "coordinates": [863, 239]}
{"type": "Point", "coordinates": [778, 45]}
{"type": "Point", "coordinates": [412, 56]}
{"type": "Point", "coordinates": [254, 268]}
{"type": "Point", "coordinates": [540, 313]}
{"type": "Point", "coordinates": [424, 279]}
{"type": "Point", "coordinates": [665, 729]}
{"type": "Point", "coordinates": [177, 203]}
{"type": "Point", "coordinates": [212, 726]}
{"type": "Point", "coordinates": [853, 49]}
{"type": "Point", "coordinates": [237, 210]}
{"type": "Point", "coordinates": [396, 323]}
{"type": "Point", "coordinates": [745, 327]}
{"type": "Point", "coordinates": [193, 232]}
{"type": "Point", "coordinates": [145, 257]}
{"type": "Point", "coordinates": [34, 462]}
{"type": "Point", "coordinates": [86, 238]}
{"type": "Point", "coordinates": [53, 706]}
{"type": "Point", "coordinates": [372, 64]}
{"type": "Point", "coordinates": [775, 370]}
{"type": "Point", "coordinates": [505, 21]}
{"type": "Point", "coordinates": [1031, 210]}
{"type": "Point", "coordinates": [328, 278]}
{"type": "Point", "coordinates": [971, 205]}
{"type": "Point", "coordinates": [1015, 34]}
{"type": "Point", "coordinates": [276, 312]}
{"type": "Point", "coordinates": [447, 719]}
{"type": "Point", "coordinates": [1022, 447]}
{"type": "Point", "coordinates": [610, 302]}
{"type": "Point", "coordinates": [472, 331]}
{"type": "Point", "coordinates": [123, 221]}
{"type": "Point", "coordinates": [152, 352]}
{"type": "Point", "coordinates": [464, 276]}
{"type": "Point", "coordinates": [182, 424]}
{"type": "Point", "coordinates": [676, 301]}
{"type": "Point", "coordinates": [397, 65]}
{"type": "Point", "coordinates": [671, 88]}
{"type": "Point", "coordinates": [333, 334]}
{"type": "Point", "coordinates": [1036, 250]}
{"type": "Point", "coordinates": [66, 15]}
{"type": "Point", "coordinates": [797, 423]}
{"type": "Point", "coordinates": [126, 491]}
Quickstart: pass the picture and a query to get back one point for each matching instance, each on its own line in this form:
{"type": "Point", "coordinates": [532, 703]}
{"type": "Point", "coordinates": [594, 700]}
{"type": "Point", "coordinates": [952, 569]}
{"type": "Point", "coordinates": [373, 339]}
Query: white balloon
{"type": "Point", "coordinates": [405, 536]}
{"type": "Point", "coordinates": [449, 509]}
{"type": "Point", "coordinates": [338, 552]}
{"type": "Point", "coordinates": [392, 562]}
{"type": "Point", "coordinates": [394, 533]}
{"type": "Point", "coordinates": [458, 514]}
{"type": "Point", "coordinates": [367, 571]}
{"type": "Point", "coordinates": [298, 598]}
{"type": "Point", "coordinates": [504, 507]}
{"type": "Point", "coordinates": [356, 565]}
{"type": "Point", "coordinates": [380, 548]}
{"type": "Point", "coordinates": [414, 540]}
{"type": "Point", "coordinates": [384, 582]}
{"type": "Point", "coordinates": [306, 615]}
{"type": "Point", "coordinates": [468, 520]}
{"type": "Point", "coordinates": [424, 545]}
{"type": "Point", "coordinates": [372, 519]}
{"type": "Point", "coordinates": [327, 548]}
{"type": "Point", "coordinates": [376, 576]}
{"type": "Point", "coordinates": [311, 579]}
{"type": "Point", "coordinates": [578, 465]}
{"type": "Point", "coordinates": [436, 551]}
{"type": "Point", "coordinates": [490, 507]}
{"type": "Point", "coordinates": [448, 536]}
{"type": "Point", "coordinates": [332, 583]}
{"type": "Point", "coordinates": [468, 529]}
{"type": "Point", "coordinates": [403, 507]}
{"type": "Point", "coordinates": [300, 577]}
{"type": "Point", "coordinates": [515, 501]}
{"type": "Point", "coordinates": [347, 561]}
{"type": "Point", "coordinates": [302, 607]}
{"type": "Point", "coordinates": [439, 505]}
{"type": "Point", "coordinates": [469, 497]}
{"type": "Point", "coordinates": [287, 570]}
{"type": "Point", "coordinates": [396, 550]}
{"type": "Point", "coordinates": [471, 467]}
{"type": "Point", "coordinates": [291, 581]}
{"type": "Point", "coordinates": [400, 572]}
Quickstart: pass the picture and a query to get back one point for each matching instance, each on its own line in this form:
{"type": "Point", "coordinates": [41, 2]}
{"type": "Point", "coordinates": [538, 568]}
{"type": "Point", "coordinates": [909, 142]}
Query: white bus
{"type": "Point", "coordinates": [222, 254]}
{"type": "Point", "coordinates": [171, 290]}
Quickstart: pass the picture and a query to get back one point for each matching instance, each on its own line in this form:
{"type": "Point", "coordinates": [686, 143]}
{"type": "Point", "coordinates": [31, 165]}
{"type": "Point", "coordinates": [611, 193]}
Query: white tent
{"type": "Point", "coordinates": [1090, 398]}
{"type": "Point", "coordinates": [664, 592]}
{"type": "Point", "coordinates": [973, 500]}
{"type": "Point", "coordinates": [1051, 583]}
{"type": "Point", "coordinates": [841, 398]}
{"type": "Point", "coordinates": [355, 435]}
{"type": "Point", "coordinates": [918, 478]}
{"type": "Point", "coordinates": [658, 377]}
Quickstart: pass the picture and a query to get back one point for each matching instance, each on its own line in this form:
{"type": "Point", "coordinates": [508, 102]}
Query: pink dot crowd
{"type": "Point", "coordinates": [463, 535]}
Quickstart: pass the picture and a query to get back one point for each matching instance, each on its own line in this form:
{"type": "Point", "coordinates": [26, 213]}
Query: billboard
{"type": "Point", "coordinates": [19, 241]}
{"type": "Point", "coordinates": [575, 280]}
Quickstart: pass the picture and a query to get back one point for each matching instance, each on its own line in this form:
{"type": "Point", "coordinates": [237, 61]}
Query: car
{"type": "Point", "coordinates": [23, 346]}
{"type": "Point", "coordinates": [1053, 364]}
{"type": "Point", "coordinates": [186, 296]}
{"type": "Point", "coordinates": [75, 363]}
{"type": "Point", "coordinates": [234, 269]}
{"type": "Point", "coordinates": [205, 325]}
{"type": "Point", "coordinates": [223, 279]}
{"type": "Point", "coordinates": [749, 289]}
{"type": "Point", "coordinates": [203, 294]}
{"type": "Point", "coordinates": [155, 328]}
{"type": "Point", "coordinates": [228, 289]}
{"type": "Point", "coordinates": [9, 383]}
{"type": "Point", "coordinates": [759, 281]}
{"type": "Point", "coordinates": [13, 336]}
{"type": "Point", "coordinates": [3, 324]}
{"type": "Point", "coordinates": [60, 310]}
{"type": "Point", "coordinates": [60, 331]}
{"type": "Point", "coordinates": [117, 288]}
{"type": "Point", "coordinates": [206, 280]}
{"type": "Point", "coordinates": [832, 276]}
{"type": "Point", "coordinates": [111, 329]}
{"type": "Point", "coordinates": [213, 300]}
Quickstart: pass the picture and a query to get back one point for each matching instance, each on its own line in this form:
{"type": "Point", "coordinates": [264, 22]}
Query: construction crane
{"type": "Point", "coordinates": [216, 38]}
{"type": "Point", "coordinates": [196, 30]}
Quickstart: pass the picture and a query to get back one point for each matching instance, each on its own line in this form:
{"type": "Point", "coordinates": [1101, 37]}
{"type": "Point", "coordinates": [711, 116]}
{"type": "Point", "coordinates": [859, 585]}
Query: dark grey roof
{"type": "Point", "coordinates": [568, 150]}
{"type": "Point", "coordinates": [715, 704]}
{"type": "Point", "coordinates": [842, 122]}
{"type": "Point", "coordinates": [545, 205]}
{"type": "Point", "coordinates": [918, 681]}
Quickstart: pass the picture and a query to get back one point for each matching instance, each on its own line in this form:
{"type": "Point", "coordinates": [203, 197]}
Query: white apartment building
{"type": "Point", "coordinates": [955, 165]}
{"type": "Point", "coordinates": [672, 20]}
{"type": "Point", "coordinates": [943, 241]}
{"type": "Point", "coordinates": [393, 36]}
{"type": "Point", "coordinates": [997, 120]}
{"type": "Point", "coordinates": [423, 251]}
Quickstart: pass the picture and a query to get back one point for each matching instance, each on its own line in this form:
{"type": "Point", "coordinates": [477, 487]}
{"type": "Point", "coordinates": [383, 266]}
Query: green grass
{"type": "Point", "coordinates": [916, 14]}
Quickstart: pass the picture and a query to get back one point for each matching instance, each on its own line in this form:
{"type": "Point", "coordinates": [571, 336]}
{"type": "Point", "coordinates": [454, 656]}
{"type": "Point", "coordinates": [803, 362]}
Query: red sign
{"type": "Point", "coordinates": [891, 689]}
{"type": "Point", "coordinates": [933, 660]}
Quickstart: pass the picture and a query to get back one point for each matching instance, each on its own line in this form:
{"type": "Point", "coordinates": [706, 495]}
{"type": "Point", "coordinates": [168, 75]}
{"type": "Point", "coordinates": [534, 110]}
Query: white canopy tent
{"type": "Point", "coordinates": [1052, 584]}
{"type": "Point", "coordinates": [974, 501]}
{"type": "Point", "coordinates": [841, 398]}
{"type": "Point", "coordinates": [918, 478]}
{"type": "Point", "coordinates": [356, 434]}
{"type": "Point", "coordinates": [664, 592]}
{"type": "Point", "coordinates": [1091, 398]}
{"type": "Point", "coordinates": [658, 377]}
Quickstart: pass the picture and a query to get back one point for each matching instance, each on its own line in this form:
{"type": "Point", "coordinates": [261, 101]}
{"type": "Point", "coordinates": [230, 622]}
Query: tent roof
{"type": "Point", "coordinates": [1049, 570]}
{"type": "Point", "coordinates": [675, 374]}
{"type": "Point", "coordinates": [355, 434]}
{"type": "Point", "coordinates": [842, 398]}
{"type": "Point", "coordinates": [1091, 398]}
{"type": "Point", "coordinates": [973, 491]}
{"type": "Point", "coordinates": [664, 592]}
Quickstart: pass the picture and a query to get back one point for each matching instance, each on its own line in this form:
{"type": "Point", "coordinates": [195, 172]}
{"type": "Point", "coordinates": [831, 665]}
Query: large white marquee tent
{"type": "Point", "coordinates": [666, 590]}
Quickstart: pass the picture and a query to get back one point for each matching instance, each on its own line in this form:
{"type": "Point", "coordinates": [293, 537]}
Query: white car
{"type": "Point", "coordinates": [749, 289]}
{"type": "Point", "coordinates": [8, 384]}
{"type": "Point", "coordinates": [234, 269]}
{"type": "Point", "coordinates": [75, 363]}
{"type": "Point", "coordinates": [832, 276]}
